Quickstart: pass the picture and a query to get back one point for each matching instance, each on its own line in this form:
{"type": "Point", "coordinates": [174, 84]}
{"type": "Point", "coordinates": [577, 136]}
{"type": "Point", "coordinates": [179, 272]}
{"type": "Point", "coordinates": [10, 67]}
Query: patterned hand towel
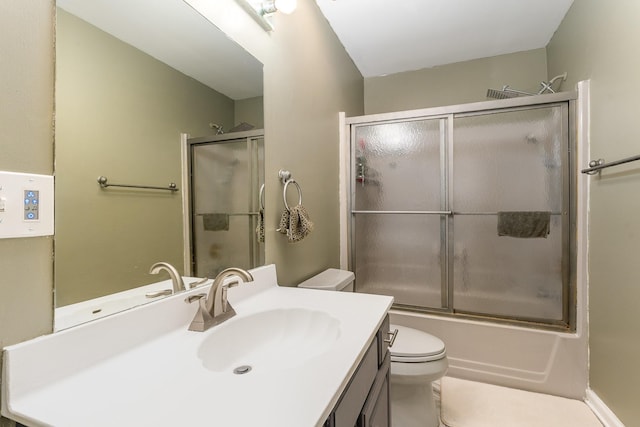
{"type": "Point", "coordinates": [295, 223]}
{"type": "Point", "coordinates": [283, 227]}
{"type": "Point", "coordinates": [260, 227]}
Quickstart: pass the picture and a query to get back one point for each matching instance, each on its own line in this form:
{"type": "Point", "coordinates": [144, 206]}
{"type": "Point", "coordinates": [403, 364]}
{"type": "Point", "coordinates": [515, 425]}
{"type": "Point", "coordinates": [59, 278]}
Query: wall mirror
{"type": "Point", "coordinates": [132, 78]}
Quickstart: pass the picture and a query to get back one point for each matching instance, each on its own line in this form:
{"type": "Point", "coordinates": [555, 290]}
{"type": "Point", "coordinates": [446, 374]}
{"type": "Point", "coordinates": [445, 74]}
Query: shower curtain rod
{"type": "Point", "coordinates": [596, 166]}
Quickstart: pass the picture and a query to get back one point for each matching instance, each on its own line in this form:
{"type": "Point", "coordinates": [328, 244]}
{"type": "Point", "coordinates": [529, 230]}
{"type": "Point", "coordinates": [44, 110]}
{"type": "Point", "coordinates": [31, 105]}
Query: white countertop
{"type": "Point", "coordinates": [141, 368]}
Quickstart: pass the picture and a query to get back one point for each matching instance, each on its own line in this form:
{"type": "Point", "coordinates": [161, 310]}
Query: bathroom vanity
{"type": "Point", "coordinates": [365, 402]}
{"type": "Point", "coordinates": [290, 357]}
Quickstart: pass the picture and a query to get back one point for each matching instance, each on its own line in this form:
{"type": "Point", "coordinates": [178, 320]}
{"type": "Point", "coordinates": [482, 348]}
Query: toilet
{"type": "Point", "coordinates": [417, 359]}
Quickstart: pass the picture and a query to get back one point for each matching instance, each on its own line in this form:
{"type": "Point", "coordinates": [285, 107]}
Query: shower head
{"type": "Point", "coordinates": [506, 93]}
{"type": "Point", "coordinates": [217, 127]}
{"type": "Point", "coordinates": [500, 94]}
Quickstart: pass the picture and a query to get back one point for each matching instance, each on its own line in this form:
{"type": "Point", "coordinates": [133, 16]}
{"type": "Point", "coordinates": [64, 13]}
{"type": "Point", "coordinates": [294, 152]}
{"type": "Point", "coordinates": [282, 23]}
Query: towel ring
{"type": "Point", "coordinates": [261, 197]}
{"type": "Point", "coordinates": [284, 192]}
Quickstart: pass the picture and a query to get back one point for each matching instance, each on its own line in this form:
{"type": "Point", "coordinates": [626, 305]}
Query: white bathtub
{"type": "Point", "coordinates": [86, 311]}
{"type": "Point", "coordinates": [526, 358]}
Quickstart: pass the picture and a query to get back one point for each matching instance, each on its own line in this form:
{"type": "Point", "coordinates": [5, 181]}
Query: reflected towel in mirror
{"type": "Point", "coordinates": [215, 222]}
{"type": "Point", "coordinates": [260, 227]}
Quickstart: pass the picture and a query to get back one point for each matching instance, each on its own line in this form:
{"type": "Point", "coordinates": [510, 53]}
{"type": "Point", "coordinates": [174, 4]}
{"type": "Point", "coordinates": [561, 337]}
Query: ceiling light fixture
{"type": "Point", "coordinates": [261, 11]}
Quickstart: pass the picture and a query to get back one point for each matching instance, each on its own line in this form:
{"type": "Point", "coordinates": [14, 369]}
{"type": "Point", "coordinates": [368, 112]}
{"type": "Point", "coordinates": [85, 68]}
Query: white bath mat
{"type": "Point", "coordinates": [473, 404]}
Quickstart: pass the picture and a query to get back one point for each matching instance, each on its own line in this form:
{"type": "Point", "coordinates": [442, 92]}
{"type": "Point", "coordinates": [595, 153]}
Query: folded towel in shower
{"type": "Point", "coordinates": [260, 227]}
{"type": "Point", "coordinates": [215, 222]}
{"type": "Point", "coordinates": [524, 224]}
{"type": "Point", "coordinates": [295, 223]}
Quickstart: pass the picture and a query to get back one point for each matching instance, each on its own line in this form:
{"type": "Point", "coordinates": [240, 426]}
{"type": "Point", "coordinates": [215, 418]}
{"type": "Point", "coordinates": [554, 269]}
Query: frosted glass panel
{"type": "Point", "coordinates": [507, 276]}
{"type": "Point", "coordinates": [509, 161]}
{"type": "Point", "coordinates": [397, 166]}
{"type": "Point", "coordinates": [399, 255]}
{"type": "Point", "coordinates": [221, 178]}
{"type": "Point", "coordinates": [217, 250]}
{"type": "Point", "coordinates": [496, 161]}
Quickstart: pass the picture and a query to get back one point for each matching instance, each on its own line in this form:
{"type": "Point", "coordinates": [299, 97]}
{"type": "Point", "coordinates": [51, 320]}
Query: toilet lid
{"type": "Point", "coordinates": [412, 345]}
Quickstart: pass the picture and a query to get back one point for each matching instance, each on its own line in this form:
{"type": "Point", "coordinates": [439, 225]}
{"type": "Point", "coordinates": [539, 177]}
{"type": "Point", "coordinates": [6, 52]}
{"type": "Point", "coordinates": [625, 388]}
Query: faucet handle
{"type": "Point", "coordinates": [225, 287]}
{"type": "Point", "coordinates": [192, 298]}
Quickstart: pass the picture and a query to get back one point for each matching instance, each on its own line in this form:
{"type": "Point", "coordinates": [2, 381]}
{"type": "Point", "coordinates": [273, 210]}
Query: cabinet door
{"type": "Point", "coordinates": [376, 411]}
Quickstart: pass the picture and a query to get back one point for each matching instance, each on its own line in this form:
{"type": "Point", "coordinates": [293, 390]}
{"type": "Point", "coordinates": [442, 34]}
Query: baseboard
{"type": "Point", "coordinates": [602, 411]}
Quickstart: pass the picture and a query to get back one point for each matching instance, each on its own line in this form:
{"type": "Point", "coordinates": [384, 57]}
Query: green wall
{"type": "Point", "coordinates": [250, 111]}
{"type": "Point", "coordinates": [26, 145]}
{"type": "Point", "coordinates": [457, 83]}
{"type": "Point", "coordinates": [599, 41]}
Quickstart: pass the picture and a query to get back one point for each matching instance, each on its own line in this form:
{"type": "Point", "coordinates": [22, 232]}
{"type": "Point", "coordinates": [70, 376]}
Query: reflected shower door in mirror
{"type": "Point", "coordinates": [227, 202]}
{"type": "Point", "coordinates": [130, 80]}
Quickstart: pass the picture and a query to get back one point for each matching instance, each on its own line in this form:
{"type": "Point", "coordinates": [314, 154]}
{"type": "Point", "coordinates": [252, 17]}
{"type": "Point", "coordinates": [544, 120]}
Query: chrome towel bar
{"type": "Point", "coordinates": [596, 166]}
{"type": "Point", "coordinates": [431, 213]}
{"type": "Point", "coordinates": [104, 184]}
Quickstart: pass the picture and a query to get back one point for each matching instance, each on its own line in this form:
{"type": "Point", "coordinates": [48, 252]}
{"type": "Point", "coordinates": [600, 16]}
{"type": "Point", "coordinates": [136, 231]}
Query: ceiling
{"type": "Point", "coordinates": [391, 36]}
{"type": "Point", "coordinates": [174, 33]}
{"type": "Point", "coordinates": [381, 36]}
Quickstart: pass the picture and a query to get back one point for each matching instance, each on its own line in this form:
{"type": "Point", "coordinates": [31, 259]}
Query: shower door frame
{"type": "Point", "coordinates": [188, 209]}
{"type": "Point", "coordinates": [446, 114]}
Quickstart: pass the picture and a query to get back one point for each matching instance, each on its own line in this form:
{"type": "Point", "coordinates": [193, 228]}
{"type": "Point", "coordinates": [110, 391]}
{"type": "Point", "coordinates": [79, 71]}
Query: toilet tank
{"type": "Point", "coordinates": [331, 279]}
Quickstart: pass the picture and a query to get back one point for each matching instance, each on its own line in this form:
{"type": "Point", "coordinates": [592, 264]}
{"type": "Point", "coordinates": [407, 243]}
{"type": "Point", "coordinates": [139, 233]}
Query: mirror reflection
{"type": "Point", "coordinates": [131, 78]}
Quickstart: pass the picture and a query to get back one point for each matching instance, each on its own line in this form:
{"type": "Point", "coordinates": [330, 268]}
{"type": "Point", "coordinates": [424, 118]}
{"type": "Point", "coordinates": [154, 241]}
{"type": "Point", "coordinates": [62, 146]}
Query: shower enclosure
{"type": "Point", "coordinates": [226, 201]}
{"type": "Point", "coordinates": [427, 188]}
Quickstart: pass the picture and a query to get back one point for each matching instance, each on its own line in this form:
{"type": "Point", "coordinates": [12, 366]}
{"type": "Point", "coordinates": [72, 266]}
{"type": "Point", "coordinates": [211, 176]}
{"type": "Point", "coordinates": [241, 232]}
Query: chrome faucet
{"type": "Point", "coordinates": [176, 279]}
{"type": "Point", "coordinates": [214, 308]}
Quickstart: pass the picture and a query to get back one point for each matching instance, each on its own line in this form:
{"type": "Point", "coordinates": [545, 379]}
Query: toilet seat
{"type": "Point", "coordinates": [414, 346]}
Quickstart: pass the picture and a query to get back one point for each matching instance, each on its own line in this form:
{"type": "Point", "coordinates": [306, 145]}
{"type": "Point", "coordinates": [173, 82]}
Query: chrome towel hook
{"type": "Point", "coordinates": [284, 175]}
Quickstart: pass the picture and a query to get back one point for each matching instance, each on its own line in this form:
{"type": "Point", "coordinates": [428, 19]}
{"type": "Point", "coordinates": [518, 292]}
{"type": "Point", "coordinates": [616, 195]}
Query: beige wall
{"type": "Point", "coordinates": [26, 145]}
{"type": "Point", "coordinates": [599, 41]}
{"type": "Point", "coordinates": [119, 113]}
{"type": "Point", "coordinates": [457, 83]}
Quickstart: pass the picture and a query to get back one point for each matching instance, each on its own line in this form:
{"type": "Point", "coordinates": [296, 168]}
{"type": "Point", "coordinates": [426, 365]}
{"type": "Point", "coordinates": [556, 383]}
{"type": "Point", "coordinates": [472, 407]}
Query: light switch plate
{"type": "Point", "coordinates": [26, 205]}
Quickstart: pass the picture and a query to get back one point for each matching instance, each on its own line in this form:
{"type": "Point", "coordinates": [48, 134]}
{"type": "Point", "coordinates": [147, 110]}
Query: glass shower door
{"type": "Point", "coordinates": [398, 199]}
{"type": "Point", "coordinates": [226, 180]}
{"type": "Point", "coordinates": [505, 163]}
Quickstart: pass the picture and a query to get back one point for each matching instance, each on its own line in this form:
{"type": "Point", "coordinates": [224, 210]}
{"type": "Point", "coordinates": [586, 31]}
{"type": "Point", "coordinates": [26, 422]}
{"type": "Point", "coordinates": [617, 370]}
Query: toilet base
{"type": "Point", "coordinates": [413, 406]}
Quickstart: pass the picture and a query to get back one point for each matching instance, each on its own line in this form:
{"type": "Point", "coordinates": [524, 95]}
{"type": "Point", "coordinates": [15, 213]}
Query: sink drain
{"type": "Point", "coordinates": [242, 369]}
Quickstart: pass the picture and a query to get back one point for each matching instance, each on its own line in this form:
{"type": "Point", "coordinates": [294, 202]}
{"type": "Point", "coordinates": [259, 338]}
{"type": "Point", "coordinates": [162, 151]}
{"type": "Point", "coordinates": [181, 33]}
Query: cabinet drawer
{"type": "Point", "coordinates": [350, 406]}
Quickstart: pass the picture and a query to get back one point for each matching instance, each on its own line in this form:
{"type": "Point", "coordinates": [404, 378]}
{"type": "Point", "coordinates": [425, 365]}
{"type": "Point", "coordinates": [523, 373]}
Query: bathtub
{"type": "Point", "coordinates": [513, 356]}
{"type": "Point", "coordinates": [86, 311]}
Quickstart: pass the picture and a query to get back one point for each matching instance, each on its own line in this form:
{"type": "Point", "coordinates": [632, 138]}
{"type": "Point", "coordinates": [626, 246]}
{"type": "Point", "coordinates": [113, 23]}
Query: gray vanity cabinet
{"type": "Point", "coordinates": [365, 402]}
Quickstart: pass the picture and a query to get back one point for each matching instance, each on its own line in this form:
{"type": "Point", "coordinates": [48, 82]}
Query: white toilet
{"type": "Point", "coordinates": [417, 359]}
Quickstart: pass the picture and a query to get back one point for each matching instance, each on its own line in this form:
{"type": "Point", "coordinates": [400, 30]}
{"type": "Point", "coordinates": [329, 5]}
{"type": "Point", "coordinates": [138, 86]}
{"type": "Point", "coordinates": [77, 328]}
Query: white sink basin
{"type": "Point", "coordinates": [269, 340]}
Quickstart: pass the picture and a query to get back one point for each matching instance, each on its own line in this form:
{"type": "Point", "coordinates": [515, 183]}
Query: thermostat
{"type": "Point", "coordinates": [26, 205]}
